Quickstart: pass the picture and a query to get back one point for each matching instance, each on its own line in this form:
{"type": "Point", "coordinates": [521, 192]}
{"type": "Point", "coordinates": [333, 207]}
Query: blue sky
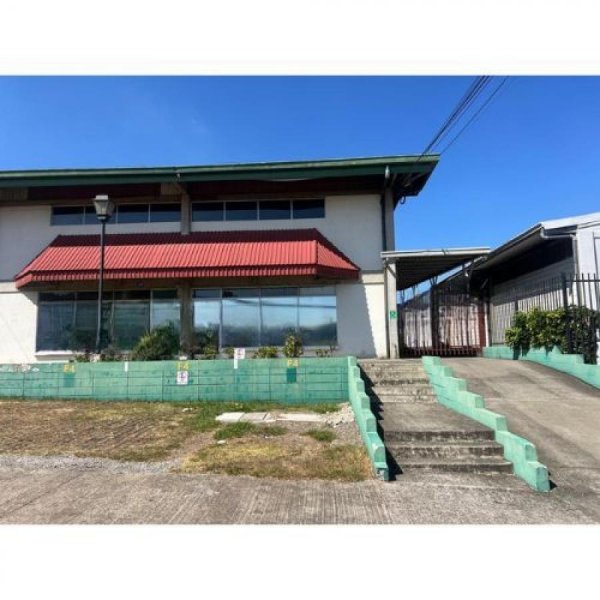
{"type": "Point", "coordinates": [534, 153]}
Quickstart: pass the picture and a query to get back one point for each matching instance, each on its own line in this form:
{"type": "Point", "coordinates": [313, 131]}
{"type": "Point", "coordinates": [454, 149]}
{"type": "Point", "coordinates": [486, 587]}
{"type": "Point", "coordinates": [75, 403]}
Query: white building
{"type": "Point", "coordinates": [234, 255]}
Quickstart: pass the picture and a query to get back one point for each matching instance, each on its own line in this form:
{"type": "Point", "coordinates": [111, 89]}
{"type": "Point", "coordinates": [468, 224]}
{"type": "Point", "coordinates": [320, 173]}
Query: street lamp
{"type": "Point", "coordinates": [104, 207]}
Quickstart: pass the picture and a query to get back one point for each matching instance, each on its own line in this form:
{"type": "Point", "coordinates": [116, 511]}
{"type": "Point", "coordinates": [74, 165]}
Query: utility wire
{"type": "Point", "coordinates": [479, 111]}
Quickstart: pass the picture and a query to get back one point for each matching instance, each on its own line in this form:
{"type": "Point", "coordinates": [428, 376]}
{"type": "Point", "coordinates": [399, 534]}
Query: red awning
{"type": "Point", "coordinates": [277, 253]}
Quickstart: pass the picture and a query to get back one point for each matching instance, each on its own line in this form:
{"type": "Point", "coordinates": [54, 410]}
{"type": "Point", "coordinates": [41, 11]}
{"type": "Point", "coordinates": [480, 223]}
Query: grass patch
{"type": "Point", "coordinates": [235, 430]}
{"type": "Point", "coordinates": [321, 435]}
{"type": "Point", "coordinates": [282, 461]}
{"type": "Point", "coordinates": [242, 429]}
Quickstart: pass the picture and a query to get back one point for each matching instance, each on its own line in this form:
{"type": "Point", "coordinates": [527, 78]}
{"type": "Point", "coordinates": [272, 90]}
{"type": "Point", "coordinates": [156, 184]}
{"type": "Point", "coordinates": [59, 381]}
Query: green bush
{"type": "Point", "coordinates": [293, 347]}
{"type": "Point", "coordinates": [229, 351]}
{"type": "Point", "coordinates": [162, 343]}
{"type": "Point", "coordinates": [266, 352]}
{"type": "Point", "coordinates": [549, 328]}
{"type": "Point", "coordinates": [323, 352]}
{"type": "Point", "coordinates": [111, 354]}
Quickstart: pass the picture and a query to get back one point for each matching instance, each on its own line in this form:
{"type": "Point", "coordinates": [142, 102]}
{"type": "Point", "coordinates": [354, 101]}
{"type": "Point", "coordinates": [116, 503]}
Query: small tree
{"type": "Point", "coordinates": [293, 346]}
{"type": "Point", "coordinates": [159, 344]}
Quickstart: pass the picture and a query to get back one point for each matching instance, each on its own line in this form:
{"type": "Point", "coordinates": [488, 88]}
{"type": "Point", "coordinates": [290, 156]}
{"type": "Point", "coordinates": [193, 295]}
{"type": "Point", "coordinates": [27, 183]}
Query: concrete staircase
{"type": "Point", "coordinates": [418, 432]}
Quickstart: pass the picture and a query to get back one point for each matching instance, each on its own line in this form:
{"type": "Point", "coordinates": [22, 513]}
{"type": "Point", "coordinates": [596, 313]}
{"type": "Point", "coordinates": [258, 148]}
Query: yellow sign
{"type": "Point", "coordinates": [69, 368]}
{"type": "Point", "coordinates": [183, 365]}
{"type": "Point", "coordinates": [292, 362]}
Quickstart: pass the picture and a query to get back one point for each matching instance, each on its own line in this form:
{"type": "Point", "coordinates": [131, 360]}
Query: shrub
{"type": "Point", "coordinates": [549, 328]}
{"type": "Point", "coordinates": [266, 352]}
{"type": "Point", "coordinates": [111, 354]}
{"type": "Point", "coordinates": [229, 351]}
{"type": "Point", "coordinates": [323, 352]}
{"type": "Point", "coordinates": [159, 344]}
{"type": "Point", "coordinates": [293, 347]}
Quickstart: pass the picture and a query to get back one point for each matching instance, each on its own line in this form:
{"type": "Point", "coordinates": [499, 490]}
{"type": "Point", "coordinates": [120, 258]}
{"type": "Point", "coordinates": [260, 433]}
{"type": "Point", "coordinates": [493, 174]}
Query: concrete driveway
{"type": "Point", "coordinates": [59, 490]}
{"type": "Point", "coordinates": [558, 413]}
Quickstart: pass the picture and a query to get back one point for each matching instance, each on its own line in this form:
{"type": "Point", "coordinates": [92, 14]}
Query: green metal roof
{"type": "Point", "coordinates": [266, 171]}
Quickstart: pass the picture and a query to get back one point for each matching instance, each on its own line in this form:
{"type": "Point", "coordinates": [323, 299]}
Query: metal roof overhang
{"type": "Point", "coordinates": [416, 266]}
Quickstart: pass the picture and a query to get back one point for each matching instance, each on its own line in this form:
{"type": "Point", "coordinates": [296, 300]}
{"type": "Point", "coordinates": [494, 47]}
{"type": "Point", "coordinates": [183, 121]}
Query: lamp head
{"type": "Point", "coordinates": [104, 207]}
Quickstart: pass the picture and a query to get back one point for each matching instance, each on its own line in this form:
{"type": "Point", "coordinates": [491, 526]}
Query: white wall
{"type": "Point", "coordinates": [588, 250]}
{"type": "Point", "coordinates": [18, 318]}
{"type": "Point", "coordinates": [361, 317]}
{"type": "Point", "coordinates": [26, 231]}
{"type": "Point", "coordinates": [352, 223]}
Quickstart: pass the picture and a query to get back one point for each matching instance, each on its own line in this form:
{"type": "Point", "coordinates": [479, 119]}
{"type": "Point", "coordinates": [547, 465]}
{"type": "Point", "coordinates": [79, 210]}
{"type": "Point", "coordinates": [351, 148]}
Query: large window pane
{"type": "Point", "coordinates": [317, 317]}
{"type": "Point", "coordinates": [164, 213]}
{"type": "Point", "coordinates": [240, 211]}
{"type": "Point", "coordinates": [132, 213]}
{"type": "Point", "coordinates": [207, 211]}
{"type": "Point", "coordinates": [241, 318]}
{"type": "Point", "coordinates": [67, 215]}
{"type": "Point", "coordinates": [166, 308]}
{"type": "Point", "coordinates": [309, 209]}
{"type": "Point", "coordinates": [55, 325]}
{"type": "Point", "coordinates": [275, 209]}
{"type": "Point", "coordinates": [86, 323]}
{"type": "Point", "coordinates": [207, 317]}
{"type": "Point", "coordinates": [279, 312]}
{"type": "Point", "coordinates": [131, 319]}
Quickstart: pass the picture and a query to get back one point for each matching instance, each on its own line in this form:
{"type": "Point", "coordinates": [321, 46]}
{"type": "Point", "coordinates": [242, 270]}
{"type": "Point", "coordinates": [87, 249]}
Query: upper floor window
{"type": "Point", "coordinates": [263, 210]}
{"type": "Point", "coordinates": [125, 213]}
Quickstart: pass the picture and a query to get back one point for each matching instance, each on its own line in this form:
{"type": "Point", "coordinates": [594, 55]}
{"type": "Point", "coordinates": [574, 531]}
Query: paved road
{"type": "Point", "coordinates": [47, 490]}
{"type": "Point", "coordinates": [558, 413]}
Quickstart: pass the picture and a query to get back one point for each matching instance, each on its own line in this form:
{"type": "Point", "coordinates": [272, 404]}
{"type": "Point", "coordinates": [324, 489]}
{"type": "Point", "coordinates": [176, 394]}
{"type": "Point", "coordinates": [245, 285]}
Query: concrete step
{"type": "Point", "coordinates": [403, 398]}
{"type": "Point", "coordinates": [408, 390]}
{"type": "Point", "coordinates": [396, 381]}
{"type": "Point", "coordinates": [470, 465]}
{"type": "Point", "coordinates": [437, 435]}
{"type": "Point", "coordinates": [454, 450]}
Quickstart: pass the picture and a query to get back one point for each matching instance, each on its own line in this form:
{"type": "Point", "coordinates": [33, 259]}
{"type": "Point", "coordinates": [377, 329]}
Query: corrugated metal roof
{"type": "Point", "coordinates": [416, 266]}
{"type": "Point", "coordinates": [295, 252]}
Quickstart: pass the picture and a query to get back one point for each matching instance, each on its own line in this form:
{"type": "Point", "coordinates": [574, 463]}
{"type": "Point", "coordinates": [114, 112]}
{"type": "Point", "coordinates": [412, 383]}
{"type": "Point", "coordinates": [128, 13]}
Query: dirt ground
{"type": "Point", "coordinates": [188, 437]}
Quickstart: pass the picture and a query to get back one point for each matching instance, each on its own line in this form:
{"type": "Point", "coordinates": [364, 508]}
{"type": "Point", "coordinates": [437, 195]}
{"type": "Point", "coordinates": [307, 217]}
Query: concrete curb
{"type": "Point", "coordinates": [571, 364]}
{"type": "Point", "coordinates": [365, 419]}
{"type": "Point", "coordinates": [452, 393]}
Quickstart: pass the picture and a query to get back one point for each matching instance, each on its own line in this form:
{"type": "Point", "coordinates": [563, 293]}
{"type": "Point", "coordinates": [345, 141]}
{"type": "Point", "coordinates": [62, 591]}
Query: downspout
{"type": "Point", "coordinates": [386, 177]}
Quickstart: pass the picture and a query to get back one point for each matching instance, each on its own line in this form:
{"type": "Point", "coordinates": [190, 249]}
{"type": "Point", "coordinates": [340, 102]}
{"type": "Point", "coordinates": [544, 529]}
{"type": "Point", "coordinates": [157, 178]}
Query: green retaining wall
{"type": "Point", "coordinates": [295, 381]}
{"type": "Point", "coordinates": [365, 419]}
{"type": "Point", "coordinates": [572, 364]}
{"type": "Point", "coordinates": [452, 392]}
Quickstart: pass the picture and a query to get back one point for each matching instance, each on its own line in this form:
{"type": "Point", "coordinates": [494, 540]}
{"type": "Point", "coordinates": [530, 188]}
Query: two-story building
{"type": "Point", "coordinates": [234, 255]}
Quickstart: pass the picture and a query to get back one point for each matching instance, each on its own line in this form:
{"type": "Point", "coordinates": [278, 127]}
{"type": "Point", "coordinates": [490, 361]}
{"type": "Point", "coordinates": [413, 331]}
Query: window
{"type": "Point", "coordinates": [241, 318]}
{"type": "Point", "coordinates": [68, 321]}
{"type": "Point", "coordinates": [309, 209]}
{"type": "Point", "coordinates": [275, 209]}
{"type": "Point", "coordinates": [240, 211]}
{"type": "Point", "coordinates": [132, 213]}
{"type": "Point", "coordinates": [207, 211]}
{"type": "Point", "coordinates": [165, 213]}
{"type": "Point", "coordinates": [124, 213]}
{"type": "Point", "coordinates": [265, 317]}
{"type": "Point", "coordinates": [67, 215]}
{"type": "Point", "coordinates": [265, 210]}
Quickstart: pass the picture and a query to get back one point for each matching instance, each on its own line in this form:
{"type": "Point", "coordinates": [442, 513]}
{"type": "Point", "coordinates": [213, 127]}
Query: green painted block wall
{"type": "Point", "coordinates": [365, 420]}
{"type": "Point", "coordinates": [572, 364]}
{"type": "Point", "coordinates": [316, 380]}
{"type": "Point", "coordinates": [452, 392]}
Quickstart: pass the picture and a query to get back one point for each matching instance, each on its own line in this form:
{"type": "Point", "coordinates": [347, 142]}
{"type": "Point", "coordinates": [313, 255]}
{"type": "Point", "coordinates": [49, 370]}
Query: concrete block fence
{"type": "Point", "coordinates": [366, 421]}
{"type": "Point", "coordinates": [572, 364]}
{"type": "Point", "coordinates": [452, 392]}
{"type": "Point", "coordinates": [295, 381]}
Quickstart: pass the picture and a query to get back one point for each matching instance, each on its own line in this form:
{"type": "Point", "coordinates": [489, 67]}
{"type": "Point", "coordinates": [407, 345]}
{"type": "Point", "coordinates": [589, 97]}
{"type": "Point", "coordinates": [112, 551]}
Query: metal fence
{"type": "Point", "coordinates": [550, 294]}
{"type": "Point", "coordinates": [444, 321]}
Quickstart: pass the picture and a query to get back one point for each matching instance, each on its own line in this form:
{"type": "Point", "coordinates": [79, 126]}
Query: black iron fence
{"type": "Point", "coordinates": [444, 321]}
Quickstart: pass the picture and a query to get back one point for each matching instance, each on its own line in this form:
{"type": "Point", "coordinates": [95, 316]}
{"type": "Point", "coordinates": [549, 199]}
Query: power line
{"type": "Point", "coordinates": [479, 111]}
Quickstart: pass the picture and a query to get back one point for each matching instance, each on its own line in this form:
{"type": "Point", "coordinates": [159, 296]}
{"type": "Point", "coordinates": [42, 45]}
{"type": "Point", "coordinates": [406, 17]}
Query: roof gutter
{"type": "Point", "coordinates": [572, 235]}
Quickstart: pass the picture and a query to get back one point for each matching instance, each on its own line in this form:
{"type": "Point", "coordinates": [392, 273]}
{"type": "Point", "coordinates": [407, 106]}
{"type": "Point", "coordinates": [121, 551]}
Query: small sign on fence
{"type": "Point", "coordinates": [238, 354]}
{"type": "Point", "coordinates": [182, 377]}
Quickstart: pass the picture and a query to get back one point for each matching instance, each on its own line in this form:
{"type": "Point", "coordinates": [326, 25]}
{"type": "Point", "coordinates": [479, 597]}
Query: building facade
{"type": "Point", "coordinates": [233, 255]}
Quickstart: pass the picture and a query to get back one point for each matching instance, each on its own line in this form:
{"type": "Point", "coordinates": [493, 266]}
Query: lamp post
{"type": "Point", "coordinates": [104, 209]}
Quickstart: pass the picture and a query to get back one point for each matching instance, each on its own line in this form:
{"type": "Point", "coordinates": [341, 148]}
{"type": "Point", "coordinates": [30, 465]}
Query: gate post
{"type": "Point", "coordinates": [565, 297]}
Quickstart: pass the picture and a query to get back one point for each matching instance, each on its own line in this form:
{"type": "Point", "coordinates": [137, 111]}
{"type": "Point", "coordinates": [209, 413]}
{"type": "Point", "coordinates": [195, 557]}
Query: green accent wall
{"type": "Point", "coordinates": [572, 364]}
{"type": "Point", "coordinates": [302, 381]}
{"type": "Point", "coordinates": [452, 392]}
